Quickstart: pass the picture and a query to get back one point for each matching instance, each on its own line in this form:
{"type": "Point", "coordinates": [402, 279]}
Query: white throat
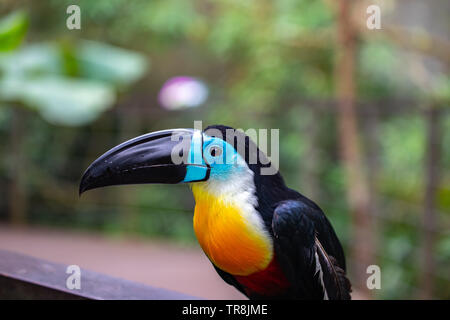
{"type": "Point", "coordinates": [239, 189]}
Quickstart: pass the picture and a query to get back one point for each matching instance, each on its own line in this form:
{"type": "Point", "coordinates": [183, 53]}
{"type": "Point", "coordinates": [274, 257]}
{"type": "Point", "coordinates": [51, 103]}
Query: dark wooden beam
{"type": "Point", "coordinates": [25, 277]}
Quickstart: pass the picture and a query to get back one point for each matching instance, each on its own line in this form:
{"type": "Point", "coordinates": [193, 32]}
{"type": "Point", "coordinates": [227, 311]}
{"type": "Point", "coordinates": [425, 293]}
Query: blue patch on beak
{"type": "Point", "coordinates": [196, 169]}
{"type": "Point", "coordinates": [196, 173]}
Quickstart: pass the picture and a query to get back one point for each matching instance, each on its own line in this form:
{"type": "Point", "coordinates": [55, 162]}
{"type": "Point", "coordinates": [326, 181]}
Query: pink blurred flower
{"type": "Point", "coordinates": [182, 92]}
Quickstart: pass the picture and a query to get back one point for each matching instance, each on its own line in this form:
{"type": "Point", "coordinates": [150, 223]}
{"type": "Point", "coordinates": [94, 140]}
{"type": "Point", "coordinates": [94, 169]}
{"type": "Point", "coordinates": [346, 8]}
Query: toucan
{"type": "Point", "coordinates": [263, 238]}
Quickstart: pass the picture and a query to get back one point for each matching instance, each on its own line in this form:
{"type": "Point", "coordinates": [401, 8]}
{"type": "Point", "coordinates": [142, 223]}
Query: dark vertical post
{"type": "Point", "coordinates": [433, 153]}
{"type": "Point", "coordinates": [373, 166]}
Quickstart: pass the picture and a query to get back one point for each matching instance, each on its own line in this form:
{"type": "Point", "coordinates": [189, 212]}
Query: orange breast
{"type": "Point", "coordinates": [228, 239]}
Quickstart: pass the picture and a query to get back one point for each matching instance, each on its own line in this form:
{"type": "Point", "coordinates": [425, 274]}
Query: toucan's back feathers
{"type": "Point", "coordinates": [313, 272]}
{"type": "Point", "coordinates": [335, 281]}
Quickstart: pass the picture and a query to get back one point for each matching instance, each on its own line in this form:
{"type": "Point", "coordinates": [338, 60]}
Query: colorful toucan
{"type": "Point", "coordinates": [263, 238]}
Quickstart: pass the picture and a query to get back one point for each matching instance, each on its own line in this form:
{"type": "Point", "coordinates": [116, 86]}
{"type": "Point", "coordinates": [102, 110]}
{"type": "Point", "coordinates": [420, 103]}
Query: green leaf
{"type": "Point", "coordinates": [37, 77]}
{"type": "Point", "coordinates": [110, 64]}
{"type": "Point", "coordinates": [12, 30]}
{"type": "Point", "coordinates": [32, 60]}
{"type": "Point", "coordinates": [60, 100]}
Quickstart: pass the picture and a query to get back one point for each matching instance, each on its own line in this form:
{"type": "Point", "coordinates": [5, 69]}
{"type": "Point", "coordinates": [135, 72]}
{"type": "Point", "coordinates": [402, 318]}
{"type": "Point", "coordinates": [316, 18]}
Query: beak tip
{"type": "Point", "coordinates": [84, 185]}
{"type": "Point", "coordinates": [80, 192]}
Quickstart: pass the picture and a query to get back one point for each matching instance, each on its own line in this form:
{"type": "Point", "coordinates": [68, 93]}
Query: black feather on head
{"type": "Point", "coordinates": [243, 144]}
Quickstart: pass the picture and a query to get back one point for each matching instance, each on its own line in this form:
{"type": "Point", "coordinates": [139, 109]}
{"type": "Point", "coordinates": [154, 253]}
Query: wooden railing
{"type": "Point", "coordinates": [25, 277]}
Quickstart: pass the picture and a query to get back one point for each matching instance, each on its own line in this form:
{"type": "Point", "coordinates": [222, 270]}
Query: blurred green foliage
{"type": "Point", "coordinates": [68, 83]}
{"type": "Point", "coordinates": [12, 30]}
{"type": "Point", "coordinates": [268, 64]}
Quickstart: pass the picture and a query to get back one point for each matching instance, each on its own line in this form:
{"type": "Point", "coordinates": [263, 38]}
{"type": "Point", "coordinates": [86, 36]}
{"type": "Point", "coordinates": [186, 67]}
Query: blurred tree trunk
{"type": "Point", "coordinates": [358, 196]}
{"type": "Point", "coordinates": [17, 194]}
{"type": "Point", "coordinates": [433, 153]}
{"type": "Point", "coordinates": [371, 127]}
{"type": "Point", "coordinates": [310, 163]}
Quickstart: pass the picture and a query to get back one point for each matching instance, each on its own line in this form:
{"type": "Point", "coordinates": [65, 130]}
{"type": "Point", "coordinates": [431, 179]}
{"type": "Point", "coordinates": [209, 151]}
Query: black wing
{"type": "Point", "coordinates": [309, 252]}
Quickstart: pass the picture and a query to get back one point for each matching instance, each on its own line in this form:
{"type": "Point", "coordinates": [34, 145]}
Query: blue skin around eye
{"type": "Point", "coordinates": [221, 166]}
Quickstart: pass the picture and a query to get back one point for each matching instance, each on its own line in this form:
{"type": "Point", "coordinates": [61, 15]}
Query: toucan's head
{"type": "Point", "coordinates": [218, 155]}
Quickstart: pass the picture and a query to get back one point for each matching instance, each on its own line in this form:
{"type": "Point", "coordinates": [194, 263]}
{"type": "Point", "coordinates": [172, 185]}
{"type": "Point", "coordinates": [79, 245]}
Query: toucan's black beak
{"type": "Point", "coordinates": [145, 159]}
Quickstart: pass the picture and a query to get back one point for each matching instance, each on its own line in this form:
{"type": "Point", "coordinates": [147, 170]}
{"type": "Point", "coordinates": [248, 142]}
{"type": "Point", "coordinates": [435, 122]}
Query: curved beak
{"type": "Point", "coordinates": [157, 157]}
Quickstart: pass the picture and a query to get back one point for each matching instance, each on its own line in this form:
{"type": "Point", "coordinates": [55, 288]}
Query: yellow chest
{"type": "Point", "coordinates": [229, 240]}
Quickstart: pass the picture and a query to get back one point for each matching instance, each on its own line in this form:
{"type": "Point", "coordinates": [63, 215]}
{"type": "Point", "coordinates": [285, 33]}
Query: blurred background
{"type": "Point", "coordinates": [363, 118]}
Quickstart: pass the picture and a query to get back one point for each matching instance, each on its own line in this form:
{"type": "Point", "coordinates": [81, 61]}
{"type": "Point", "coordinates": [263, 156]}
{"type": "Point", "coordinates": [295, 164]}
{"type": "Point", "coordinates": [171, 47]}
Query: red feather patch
{"type": "Point", "coordinates": [268, 282]}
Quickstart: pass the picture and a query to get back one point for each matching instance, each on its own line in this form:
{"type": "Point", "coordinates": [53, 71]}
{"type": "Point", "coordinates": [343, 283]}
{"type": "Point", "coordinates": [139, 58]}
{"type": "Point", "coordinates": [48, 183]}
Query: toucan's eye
{"type": "Point", "coordinates": [215, 151]}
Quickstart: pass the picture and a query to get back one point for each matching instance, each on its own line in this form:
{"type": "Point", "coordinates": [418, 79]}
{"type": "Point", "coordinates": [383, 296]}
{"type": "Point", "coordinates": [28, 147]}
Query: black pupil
{"type": "Point", "coordinates": [215, 151]}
